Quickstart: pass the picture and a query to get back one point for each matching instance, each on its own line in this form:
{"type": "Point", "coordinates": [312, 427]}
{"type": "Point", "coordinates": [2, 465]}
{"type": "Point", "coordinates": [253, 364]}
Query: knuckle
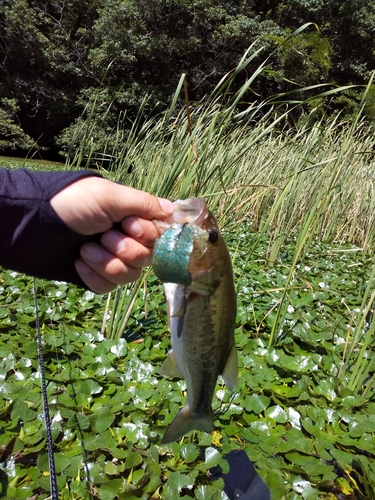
{"type": "Point", "coordinates": [148, 203]}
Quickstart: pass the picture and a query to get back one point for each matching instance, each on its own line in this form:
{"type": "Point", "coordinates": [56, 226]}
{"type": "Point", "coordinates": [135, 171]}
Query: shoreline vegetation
{"type": "Point", "coordinates": [297, 206]}
{"type": "Point", "coordinates": [58, 56]}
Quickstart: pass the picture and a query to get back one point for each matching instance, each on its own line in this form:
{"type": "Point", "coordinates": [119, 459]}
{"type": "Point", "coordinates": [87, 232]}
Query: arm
{"type": "Point", "coordinates": [34, 240]}
{"type": "Point", "coordinates": [49, 219]}
{"type": "Point", "coordinates": [93, 206]}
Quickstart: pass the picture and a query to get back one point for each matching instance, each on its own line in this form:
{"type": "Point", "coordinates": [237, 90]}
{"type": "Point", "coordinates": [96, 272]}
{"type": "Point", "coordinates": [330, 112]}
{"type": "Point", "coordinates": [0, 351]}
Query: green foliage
{"type": "Point", "coordinates": [305, 281]}
{"type": "Point", "coordinates": [11, 135]}
{"type": "Point", "coordinates": [307, 433]}
{"type": "Point", "coordinates": [345, 24]}
{"type": "Point", "coordinates": [29, 163]}
{"type": "Point", "coordinates": [121, 306]}
{"type": "Point", "coordinates": [317, 178]}
{"type": "Point", "coordinates": [306, 58]}
{"type": "Point", "coordinates": [56, 55]}
{"type": "Point", "coordinates": [103, 126]}
{"type": "Point", "coordinates": [151, 65]}
{"type": "Point", "coordinates": [369, 109]}
{"type": "Point", "coordinates": [43, 61]}
{"type": "Point", "coordinates": [153, 44]}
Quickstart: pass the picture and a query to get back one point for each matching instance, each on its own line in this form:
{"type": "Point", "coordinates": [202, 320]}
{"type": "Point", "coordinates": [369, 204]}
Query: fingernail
{"type": "Point", "coordinates": [134, 227]}
{"type": "Point", "coordinates": [82, 268]}
{"type": "Point", "coordinates": [166, 205]}
{"type": "Point", "coordinates": [92, 253]}
{"type": "Point", "coordinates": [113, 241]}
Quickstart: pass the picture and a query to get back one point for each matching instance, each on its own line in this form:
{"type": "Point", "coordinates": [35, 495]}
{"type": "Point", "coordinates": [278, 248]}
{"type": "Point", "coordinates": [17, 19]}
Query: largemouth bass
{"type": "Point", "coordinates": [193, 261]}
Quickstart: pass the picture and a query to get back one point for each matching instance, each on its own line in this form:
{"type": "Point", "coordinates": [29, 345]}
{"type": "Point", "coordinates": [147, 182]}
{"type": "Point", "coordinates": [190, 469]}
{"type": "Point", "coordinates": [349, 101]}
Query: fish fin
{"type": "Point", "coordinates": [176, 325]}
{"type": "Point", "coordinates": [175, 296]}
{"type": "Point", "coordinates": [181, 310]}
{"type": "Point", "coordinates": [184, 422]}
{"type": "Point", "coordinates": [230, 372]}
{"type": "Point", "coordinates": [180, 326]}
{"type": "Point", "coordinates": [176, 322]}
{"type": "Point", "coordinates": [169, 367]}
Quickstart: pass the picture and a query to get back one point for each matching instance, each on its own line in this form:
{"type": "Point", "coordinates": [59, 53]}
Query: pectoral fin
{"type": "Point", "coordinates": [230, 372]}
{"type": "Point", "coordinates": [181, 309]}
{"type": "Point", "coordinates": [169, 367]}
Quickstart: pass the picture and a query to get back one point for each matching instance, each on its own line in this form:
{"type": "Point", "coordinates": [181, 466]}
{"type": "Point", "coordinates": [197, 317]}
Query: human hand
{"type": "Point", "coordinates": [90, 206]}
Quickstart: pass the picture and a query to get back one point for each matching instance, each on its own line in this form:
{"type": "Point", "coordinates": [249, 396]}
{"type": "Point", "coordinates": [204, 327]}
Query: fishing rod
{"type": "Point", "coordinates": [51, 459]}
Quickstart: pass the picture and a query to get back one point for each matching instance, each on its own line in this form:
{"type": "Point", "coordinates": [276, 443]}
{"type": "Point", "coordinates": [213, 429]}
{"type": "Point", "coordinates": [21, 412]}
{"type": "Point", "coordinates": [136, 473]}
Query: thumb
{"type": "Point", "coordinates": [124, 201]}
{"type": "Point", "coordinates": [91, 205]}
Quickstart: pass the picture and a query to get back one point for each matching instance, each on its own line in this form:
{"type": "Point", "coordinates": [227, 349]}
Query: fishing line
{"type": "Point", "coordinates": [51, 459]}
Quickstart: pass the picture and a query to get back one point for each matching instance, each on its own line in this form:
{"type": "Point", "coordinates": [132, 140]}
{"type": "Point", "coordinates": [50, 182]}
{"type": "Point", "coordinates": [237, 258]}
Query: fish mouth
{"type": "Point", "coordinates": [191, 211]}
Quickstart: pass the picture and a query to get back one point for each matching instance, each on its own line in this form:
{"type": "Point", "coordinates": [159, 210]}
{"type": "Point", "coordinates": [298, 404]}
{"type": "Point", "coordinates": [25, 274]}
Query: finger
{"type": "Point", "coordinates": [91, 205]}
{"type": "Point", "coordinates": [92, 279]}
{"type": "Point", "coordinates": [144, 231]}
{"type": "Point", "coordinates": [92, 276]}
{"type": "Point", "coordinates": [127, 249]}
{"type": "Point", "coordinates": [107, 265]}
{"type": "Point", "coordinates": [123, 201]}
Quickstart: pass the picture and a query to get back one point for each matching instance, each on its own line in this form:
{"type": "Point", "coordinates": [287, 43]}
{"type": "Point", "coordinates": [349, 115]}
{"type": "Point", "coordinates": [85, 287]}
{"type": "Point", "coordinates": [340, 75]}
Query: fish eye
{"type": "Point", "coordinates": [212, 236]}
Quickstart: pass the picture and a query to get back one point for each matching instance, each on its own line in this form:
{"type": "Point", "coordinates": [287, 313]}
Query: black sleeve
{"type": "Point", "coordinates": [33, 238]}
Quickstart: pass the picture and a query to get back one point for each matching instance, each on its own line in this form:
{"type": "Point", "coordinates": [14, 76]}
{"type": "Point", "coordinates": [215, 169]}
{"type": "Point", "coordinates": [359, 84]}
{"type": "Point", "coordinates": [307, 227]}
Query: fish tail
{"type": "Point", "coordinates": [186, 421]}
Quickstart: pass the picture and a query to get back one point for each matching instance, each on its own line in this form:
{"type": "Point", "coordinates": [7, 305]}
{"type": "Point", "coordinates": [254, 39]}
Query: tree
{"type": "Point", "coordinates": [55, 53]}
{"type": "Point", "coordinates": [348, 26]}
{"type": "Point", "coordinates": [11, 134]}
{"type": "Point", "coordinates": [142, 48]}
{"type": "Point", "coordinates": [151, 43]}
{"type": "Point", "coordinates": [43, 46]}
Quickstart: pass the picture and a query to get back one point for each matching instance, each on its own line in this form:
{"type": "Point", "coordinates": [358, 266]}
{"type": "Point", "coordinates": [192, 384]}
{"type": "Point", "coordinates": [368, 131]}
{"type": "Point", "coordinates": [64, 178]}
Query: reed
{"type": "Point", "coordinates": [257, 170]}
{"type": "Point", "coordinates": [357, 360]}
{"type": "Point", "coordinates": [241, 155]}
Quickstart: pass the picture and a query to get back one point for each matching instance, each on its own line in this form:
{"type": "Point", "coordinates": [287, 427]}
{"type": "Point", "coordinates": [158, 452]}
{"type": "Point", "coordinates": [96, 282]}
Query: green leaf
{"type": "Point", "coordinates": [61, 462]}
{"type": "Point", "coordinates": [212, 458]}
{"type": "Point", "coordinates": [256, 403]}
{"type": "Point", "coordinates": [189, 452]}
{"type": "Point", "coordinates": [133, 460]}
{"type": "Point", "coordinates": [176, 482]}
{"type": "Point", "coordinates": [277, 414]}
{"type": "Point", "coordinates": [304, 488]}
{"type": "Point", "coordinates": [110, 489]}
{"type": "Point", "coordinates": [87, 387]}
{"type": "Point", "coordinates": [78, 421]}
{"type": "Point", "coordinates": [120, 349]}
{"type": "Point", "coordinates": [205, 492]}
{"type": "Point", "coordinates": [111, 469]}
{"type": "Point", "coordinates": [101, 421]}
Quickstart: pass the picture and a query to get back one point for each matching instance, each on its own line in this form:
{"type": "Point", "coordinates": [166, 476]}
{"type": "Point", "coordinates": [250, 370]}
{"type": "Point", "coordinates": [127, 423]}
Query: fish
{"type": "Point", "coordinates": [193, 262]}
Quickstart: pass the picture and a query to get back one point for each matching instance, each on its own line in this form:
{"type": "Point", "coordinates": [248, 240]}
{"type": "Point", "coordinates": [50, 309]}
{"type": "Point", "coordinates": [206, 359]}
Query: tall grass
{"type": "Point", "coordinates": [314, 180]}
{"type": "Point", "coordinates": [253, 166]}
{"type": "Point", "coordinates": [359, 345]}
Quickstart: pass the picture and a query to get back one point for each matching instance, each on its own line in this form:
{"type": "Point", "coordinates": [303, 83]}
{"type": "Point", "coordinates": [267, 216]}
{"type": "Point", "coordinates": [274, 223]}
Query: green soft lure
{"type": "Point", "coordinates": [172, 252]}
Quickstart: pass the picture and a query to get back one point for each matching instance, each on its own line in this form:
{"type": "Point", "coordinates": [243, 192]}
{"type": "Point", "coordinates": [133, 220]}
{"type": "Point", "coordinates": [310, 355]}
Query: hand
{"type": "Point", "coordinates": [90, 206]}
